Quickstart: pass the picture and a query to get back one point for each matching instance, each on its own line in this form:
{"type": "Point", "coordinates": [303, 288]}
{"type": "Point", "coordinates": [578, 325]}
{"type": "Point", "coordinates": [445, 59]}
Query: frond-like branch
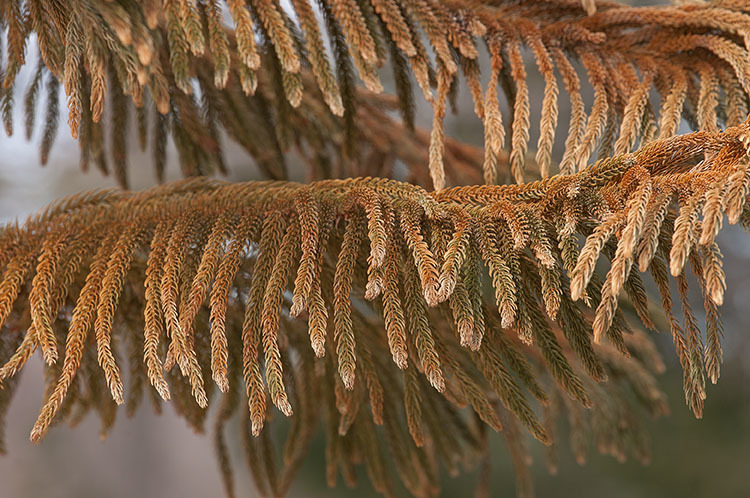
{"type": "Point", "coordinates": [391, 281]}
{"type": "Point", "coordinates": [179, 57]}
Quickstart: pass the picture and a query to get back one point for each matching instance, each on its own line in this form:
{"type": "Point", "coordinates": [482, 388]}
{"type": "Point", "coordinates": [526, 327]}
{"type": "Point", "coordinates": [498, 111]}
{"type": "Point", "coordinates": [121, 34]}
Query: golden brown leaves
{"type": "Point", "coordinates": [344, 336]}
{"type": "Point", "coordinates": [175, 47]}
{"type": "Point", "coordinates": [335, 242]}
{"type": "Point", "coordinates": [230, 252]}
{"type": "Point", "coordinates": [240, 280]}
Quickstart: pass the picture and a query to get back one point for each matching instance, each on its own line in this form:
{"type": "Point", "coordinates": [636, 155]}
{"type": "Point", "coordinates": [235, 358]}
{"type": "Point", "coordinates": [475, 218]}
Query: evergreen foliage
{"type": "Point", "coordinates": [402, 317]}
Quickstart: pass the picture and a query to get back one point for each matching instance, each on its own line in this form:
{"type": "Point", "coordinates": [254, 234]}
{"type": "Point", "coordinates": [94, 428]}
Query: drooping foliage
{"type": "Point", "coordinates": [405, 319]}
{"type": "Point", "coordinates": [182, 67]}
{"type": "Point", "coordinates": [422, 306]}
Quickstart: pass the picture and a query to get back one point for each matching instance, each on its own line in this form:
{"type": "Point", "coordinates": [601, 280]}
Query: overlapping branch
{"type": "Point", "coordinates": [469, 296]}
{"type": "Point", "coordinates": [169, 54]}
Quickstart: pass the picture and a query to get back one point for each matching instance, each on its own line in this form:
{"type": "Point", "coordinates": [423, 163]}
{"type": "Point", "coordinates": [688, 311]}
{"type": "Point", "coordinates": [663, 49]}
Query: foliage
{"type": "Point", "coordinates": [177, 57]}
{"type": "Point", "coordinates": [162, 253]}
{"type": "Point", "coordinates": [445, 310]}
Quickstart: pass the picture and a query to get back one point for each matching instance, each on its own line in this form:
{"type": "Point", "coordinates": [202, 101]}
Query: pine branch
{"type": "Point", "coordinates": [693, 55]}
{"type": "Point", "coordinates": [390, 277]}
{"type": "Point", "coordinates": [446, 312]}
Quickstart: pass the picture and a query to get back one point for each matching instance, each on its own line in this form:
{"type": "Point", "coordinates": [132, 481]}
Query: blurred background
{"type": "Point", "coordinates": [159, 456]}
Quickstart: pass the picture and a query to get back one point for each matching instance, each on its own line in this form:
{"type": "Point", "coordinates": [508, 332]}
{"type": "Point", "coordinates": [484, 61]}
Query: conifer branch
{"type": "Point", "coordinates": [155, 52]}
{"type": "Point", "coordinates": [389, 276]}
{"type": "Point", "coordinates": [405, 318]}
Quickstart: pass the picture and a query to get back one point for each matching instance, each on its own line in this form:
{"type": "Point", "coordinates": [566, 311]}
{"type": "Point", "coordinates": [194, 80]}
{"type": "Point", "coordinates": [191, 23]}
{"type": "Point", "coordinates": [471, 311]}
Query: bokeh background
{"type": "Point", "coordinates": [160, 456]}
